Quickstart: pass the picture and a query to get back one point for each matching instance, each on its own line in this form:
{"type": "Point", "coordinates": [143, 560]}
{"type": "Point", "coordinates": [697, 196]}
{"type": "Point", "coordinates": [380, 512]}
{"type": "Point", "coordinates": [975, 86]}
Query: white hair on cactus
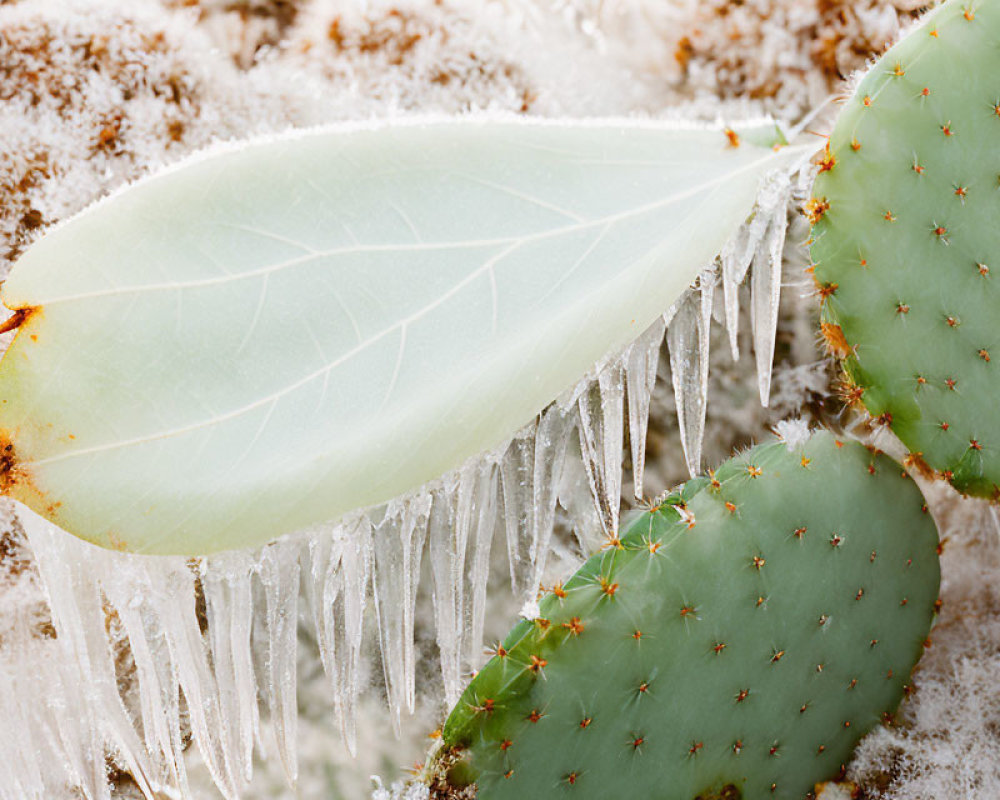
{"type": "Point", "coordinates": [793, 432]}
{"type": "Point", "coordinates": [530, 610]}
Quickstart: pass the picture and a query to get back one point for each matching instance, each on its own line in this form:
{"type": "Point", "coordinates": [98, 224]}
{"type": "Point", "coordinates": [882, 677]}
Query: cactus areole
{"type": "Point", "coordinates": [735, 642]}
{"type": "Point", "coordinates": [906, 243]}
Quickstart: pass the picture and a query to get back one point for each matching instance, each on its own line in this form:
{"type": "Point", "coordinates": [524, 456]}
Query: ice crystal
{"type": "Point", "coordinates": [399, 791]}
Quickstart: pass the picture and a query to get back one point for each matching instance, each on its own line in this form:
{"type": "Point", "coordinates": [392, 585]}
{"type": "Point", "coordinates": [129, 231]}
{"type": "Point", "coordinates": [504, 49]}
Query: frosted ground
{"type": "Point", "coordinates": [95, 94]}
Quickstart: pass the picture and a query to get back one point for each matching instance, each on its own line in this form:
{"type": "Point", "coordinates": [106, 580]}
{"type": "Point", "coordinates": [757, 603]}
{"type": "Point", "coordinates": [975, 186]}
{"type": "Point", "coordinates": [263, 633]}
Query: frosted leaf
{"type": "Point", "coordinates": [443, 221]}
{"type": "Point", "coordinates": [202, 685]}
{"type": "Point", "coordinates": [641, 364]}
{"type": "Point", "coordinates": [600, 421]}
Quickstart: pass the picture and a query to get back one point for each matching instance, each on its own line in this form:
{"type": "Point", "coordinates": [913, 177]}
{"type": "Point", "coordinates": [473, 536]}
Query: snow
{"type": "Point", "coordinates": [399, 791]}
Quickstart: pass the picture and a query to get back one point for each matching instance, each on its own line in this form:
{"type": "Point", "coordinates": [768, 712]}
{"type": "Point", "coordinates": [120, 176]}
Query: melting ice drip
{"type": "Point", "coordinates": [109, 608]}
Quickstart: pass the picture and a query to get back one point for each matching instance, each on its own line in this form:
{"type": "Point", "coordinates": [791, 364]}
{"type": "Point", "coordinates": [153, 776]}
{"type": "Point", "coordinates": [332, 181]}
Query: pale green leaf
{"type": "Point", "coordinates": [273, 335]}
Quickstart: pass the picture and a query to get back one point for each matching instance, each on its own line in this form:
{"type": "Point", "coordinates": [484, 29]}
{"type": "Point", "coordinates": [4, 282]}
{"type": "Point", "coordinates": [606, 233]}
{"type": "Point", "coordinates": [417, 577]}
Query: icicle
{"type": "Point", "coordinates": [189, 654]}
{"type": "Point", "coordinates": [551, 438]}
{"type": "Point", "coordinates": [530, 474]}
{"type": "Point", "coordinates": [600, 414]}
{"type": "Point", "coordinates": [706, 289]}
{"type": "Point", "coordinates": [576, 498]}
{"type": "Point", "coordinates": [226, 582]}
{"type": "Point", "coordinates": [448, 536]}
{"type": "Point", "coordinates": [72, 606]}
{"type": "Point", "coordinates": [390, 601]}
{"type": "Point", "coordinates": [92, 716]}
{"type": "Point", "coordinates": [670, 313]}
{"type": "Point", "coordinates": [398, 547]}
{"type": "Point", "coordinates": [279, 576]}
{"type": "Point", "coordinates": [340, 568]}
{"type": "Point", "coordinates": [993, 523]}
{"type": "Point", "coordinates": [735, 259]}
{"type": "Point", "coordinates": [765, 284]}
{"type": "Point", "coordinates": [517, 472]}
{"type": "Point", "coordinates": [323, 585]}
{"type": "Point", "coordinates": [413, 535]}
{"type": "Point", "coordinates": [131, 595]}
{"type": "Point", "coordinates": [688, 341]}
{"type": "Point", "coordinates": [641, 363]}
{"type": "Point", "coordinates": [480, 544]}
{"type": "Point", "coordinates": [21, 768]}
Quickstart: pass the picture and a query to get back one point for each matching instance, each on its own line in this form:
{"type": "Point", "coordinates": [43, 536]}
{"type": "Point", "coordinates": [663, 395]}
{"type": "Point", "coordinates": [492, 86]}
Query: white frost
{"type": "Point", "coordinates": [793, 432]}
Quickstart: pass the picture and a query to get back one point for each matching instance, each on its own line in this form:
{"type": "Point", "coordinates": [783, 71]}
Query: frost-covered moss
{"type": "Point", "coordinates": [93, 95]}
{"type": "Point", "coordinates": [786, 56]}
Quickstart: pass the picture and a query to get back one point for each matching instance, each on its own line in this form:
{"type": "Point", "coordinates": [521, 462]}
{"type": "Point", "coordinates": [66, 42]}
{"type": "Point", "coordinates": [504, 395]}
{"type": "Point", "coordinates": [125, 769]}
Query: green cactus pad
{"type": "Point", "coordinates": [736, 643]}
{"type": "Point", "coordinates": [906, 214]}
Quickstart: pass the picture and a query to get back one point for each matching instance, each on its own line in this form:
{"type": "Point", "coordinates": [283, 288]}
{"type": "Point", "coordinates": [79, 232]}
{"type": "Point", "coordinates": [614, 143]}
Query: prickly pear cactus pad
{"type": "Point", "coordinates": [906, 214]}
{"type": "Point", "coordinates": [735, 643]}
